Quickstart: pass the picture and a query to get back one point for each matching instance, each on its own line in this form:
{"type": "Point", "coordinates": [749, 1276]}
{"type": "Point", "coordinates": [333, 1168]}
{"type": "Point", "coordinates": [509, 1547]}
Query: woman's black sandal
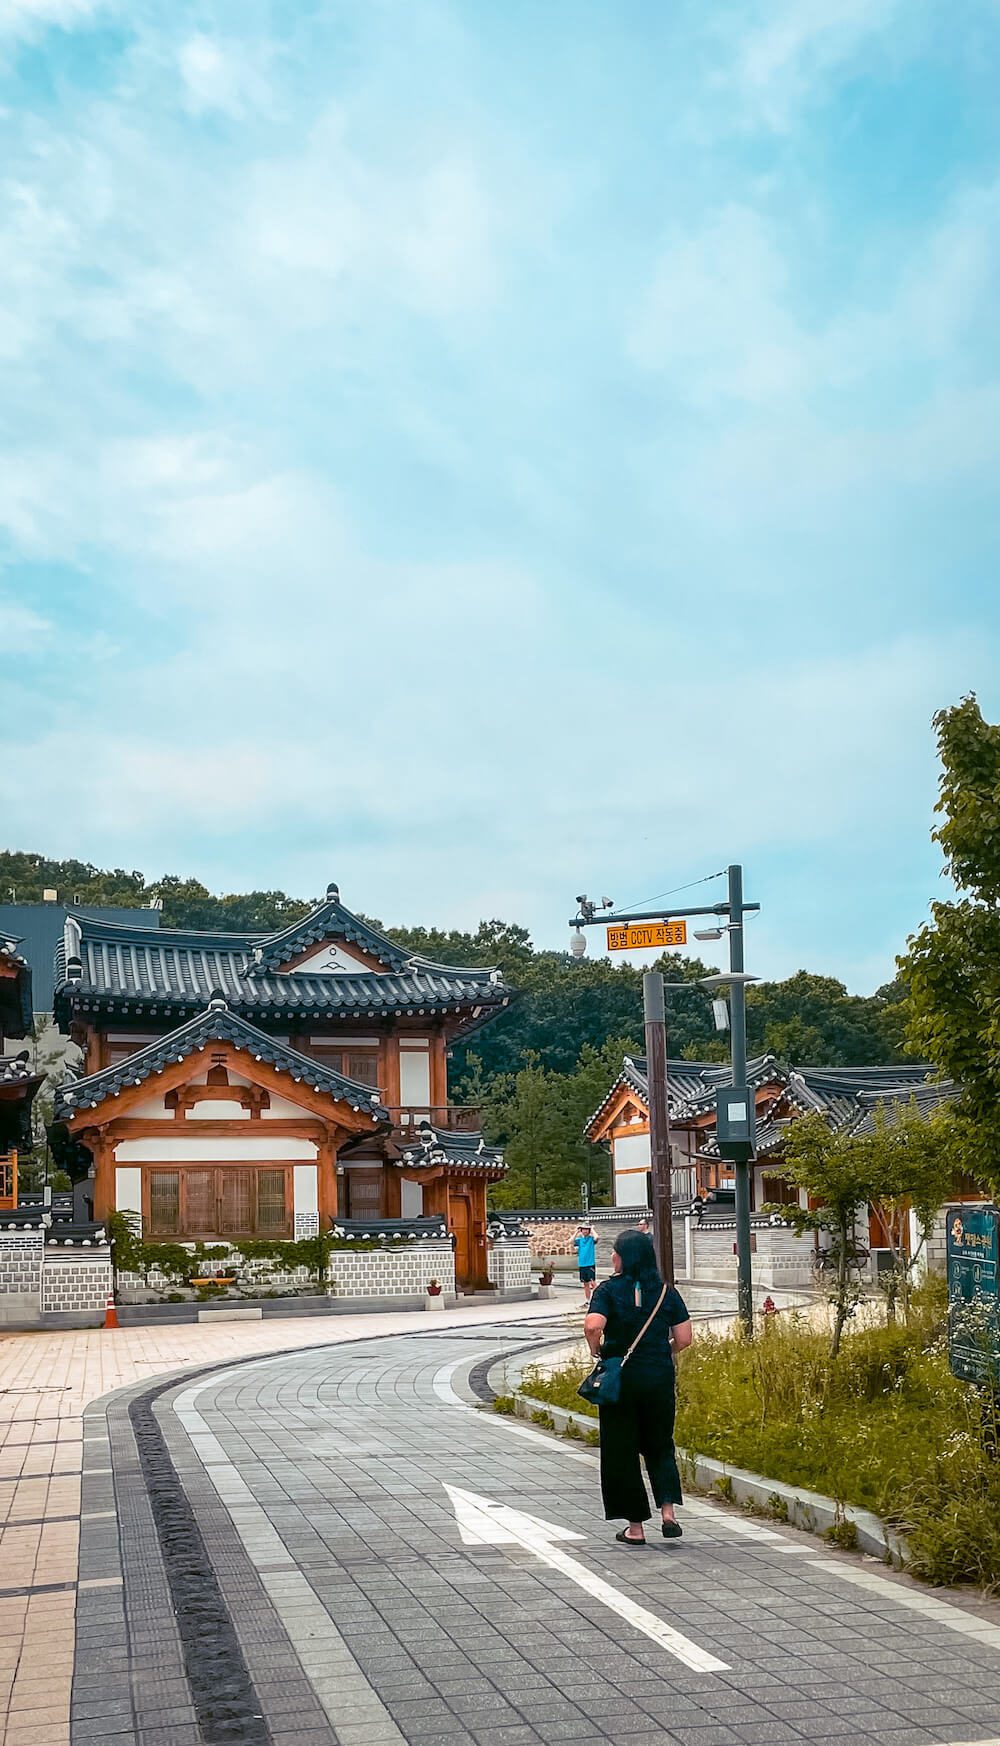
{"type": "Point", "coordinates": [672, 1530]}
{"type": "Point", "coordinates": [627, 1540]}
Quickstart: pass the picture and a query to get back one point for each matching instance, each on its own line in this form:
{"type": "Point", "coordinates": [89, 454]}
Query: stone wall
{"type": "Point", "coordinates": [780, 1257]}
{"type": "Point", "coordinates": [39, 1279]}
{"type": "Point", "coordinates": [20, 1275]}
{"type": "Point", "coordinates": [510, 1264]}
{"type": "Point", "coordinates": [76, 1281]}
{"type": "Point", "coordinates": [400, 1271]}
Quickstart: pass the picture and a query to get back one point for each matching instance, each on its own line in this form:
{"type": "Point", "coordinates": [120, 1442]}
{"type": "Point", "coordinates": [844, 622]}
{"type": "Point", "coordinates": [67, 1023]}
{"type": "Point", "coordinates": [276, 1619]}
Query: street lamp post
{"type": "Point", "coordinates": [736, 1119]}
{"type": "Point", "coordinates": [655, 1016]}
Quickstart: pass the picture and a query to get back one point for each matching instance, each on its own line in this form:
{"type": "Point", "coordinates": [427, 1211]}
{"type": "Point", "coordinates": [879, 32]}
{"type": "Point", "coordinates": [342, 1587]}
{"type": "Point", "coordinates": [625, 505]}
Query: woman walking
{"type": "Point", "coordinates": [640, 1425]}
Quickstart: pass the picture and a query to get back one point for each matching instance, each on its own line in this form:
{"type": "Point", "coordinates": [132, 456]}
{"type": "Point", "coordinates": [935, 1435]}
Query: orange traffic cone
{"type": "Point", "coordinates": [110, 1312]}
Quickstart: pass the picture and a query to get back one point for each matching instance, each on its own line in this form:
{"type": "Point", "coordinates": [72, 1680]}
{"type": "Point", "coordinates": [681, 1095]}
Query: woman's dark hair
{"type": "Point", "coordinates": [638, 1259]}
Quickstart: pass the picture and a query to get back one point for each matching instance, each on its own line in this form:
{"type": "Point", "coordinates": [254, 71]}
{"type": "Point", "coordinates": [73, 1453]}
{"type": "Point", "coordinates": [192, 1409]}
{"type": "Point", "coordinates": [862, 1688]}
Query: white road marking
{"type": "Point", "coordinates": [485, 1523]}
{"type": "Point", "coordinates": [943, 1612]}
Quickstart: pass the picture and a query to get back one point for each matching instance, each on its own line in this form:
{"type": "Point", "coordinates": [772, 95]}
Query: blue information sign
{"type": "Point", "coordinates": [973, 1301]}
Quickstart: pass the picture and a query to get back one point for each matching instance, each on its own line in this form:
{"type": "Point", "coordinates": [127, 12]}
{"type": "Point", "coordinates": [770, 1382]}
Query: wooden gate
{"type": "Point", "coordinates": [460, 1210]}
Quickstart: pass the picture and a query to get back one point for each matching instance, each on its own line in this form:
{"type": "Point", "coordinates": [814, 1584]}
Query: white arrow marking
{"type": "Point", "coordinates": [483, 1523]}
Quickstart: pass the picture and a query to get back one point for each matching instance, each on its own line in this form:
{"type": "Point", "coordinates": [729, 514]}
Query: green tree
{"type": "Point", "coordinates": [837, 1172]}
{"type": "Point", "coordinates": [913, 1159]}
{"type": "Point", "coordinates": [812, 1021]}
{"type": "Point", "coordinates": [952, 965]}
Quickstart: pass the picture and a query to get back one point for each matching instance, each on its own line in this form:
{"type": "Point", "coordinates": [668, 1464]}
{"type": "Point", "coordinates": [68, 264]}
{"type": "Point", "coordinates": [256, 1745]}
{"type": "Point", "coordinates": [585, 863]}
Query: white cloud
{"type": "Point", "coordinates": [724, 315]}
{"type": "Point", "coordinates": [26, 17]}
{"type": "Point", "coordinates": [787, 52]}
{"type": "Point", "coordinates": [22, 631]}
{"type": "Point", "coordinates": [219, 75]}
{"type": "Point", "coordinates": [715, 314]}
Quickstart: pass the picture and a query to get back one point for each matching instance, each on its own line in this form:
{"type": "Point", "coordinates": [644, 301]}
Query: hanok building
{"type": "Point", "coordinates": [18, 1080]}
{"type": "Point", "coordinates": [622, 1123]}
{"type": "Point", "coordinates": [848, 1099]}
{"type": "Point", "coordinates": [268, 1085]}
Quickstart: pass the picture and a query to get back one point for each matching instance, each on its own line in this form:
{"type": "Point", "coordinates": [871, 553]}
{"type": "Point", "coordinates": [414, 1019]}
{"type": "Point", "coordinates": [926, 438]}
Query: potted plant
{"type": "Point", "coordinates": [546, 1279]}
{"type": "Point", "coordinates": [434, 1296]}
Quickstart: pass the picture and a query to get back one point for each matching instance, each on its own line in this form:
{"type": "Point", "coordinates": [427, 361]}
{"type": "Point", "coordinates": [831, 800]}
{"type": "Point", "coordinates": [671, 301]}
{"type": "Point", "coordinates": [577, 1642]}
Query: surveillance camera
{"type": "Point", "coordinates": [582, 898]}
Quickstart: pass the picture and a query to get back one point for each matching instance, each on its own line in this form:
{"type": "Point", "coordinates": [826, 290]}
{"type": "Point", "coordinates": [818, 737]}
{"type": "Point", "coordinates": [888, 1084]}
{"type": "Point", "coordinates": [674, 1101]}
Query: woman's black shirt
{"type": "Point", "coordinates": [615, 1299]}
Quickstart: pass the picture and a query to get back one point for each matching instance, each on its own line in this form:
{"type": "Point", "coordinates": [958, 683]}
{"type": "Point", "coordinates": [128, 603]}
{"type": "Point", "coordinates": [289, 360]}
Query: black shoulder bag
{"type": "Point", "coordinates": [603, 1386]}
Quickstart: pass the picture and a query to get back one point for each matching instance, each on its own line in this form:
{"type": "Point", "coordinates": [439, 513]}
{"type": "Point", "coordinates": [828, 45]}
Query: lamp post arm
{"type": "Point", "coordinates": [608, 919]}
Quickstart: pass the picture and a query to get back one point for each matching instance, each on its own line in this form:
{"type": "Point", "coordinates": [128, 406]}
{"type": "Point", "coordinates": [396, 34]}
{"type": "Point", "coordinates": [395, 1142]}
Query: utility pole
{"type": "Point", "coordinates": [654, 1013]}
{"type": "Point", "coordinates": [738, 1039]}
{"type": "Point", "coordinates": [735, 1113]}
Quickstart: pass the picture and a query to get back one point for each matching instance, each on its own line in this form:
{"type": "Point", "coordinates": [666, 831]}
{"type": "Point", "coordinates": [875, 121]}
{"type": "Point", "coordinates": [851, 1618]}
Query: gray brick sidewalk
{"type": "Point", "coordinates": [287, 1567]}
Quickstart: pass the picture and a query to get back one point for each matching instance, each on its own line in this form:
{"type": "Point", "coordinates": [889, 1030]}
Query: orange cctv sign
{"type": "Point", "coordinates": [634, 936]}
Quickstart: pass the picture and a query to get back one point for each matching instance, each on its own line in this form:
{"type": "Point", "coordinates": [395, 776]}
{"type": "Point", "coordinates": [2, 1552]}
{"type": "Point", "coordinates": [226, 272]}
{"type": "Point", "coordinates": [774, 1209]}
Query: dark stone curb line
{"type": "Point", "coordinates": [160, 1662]}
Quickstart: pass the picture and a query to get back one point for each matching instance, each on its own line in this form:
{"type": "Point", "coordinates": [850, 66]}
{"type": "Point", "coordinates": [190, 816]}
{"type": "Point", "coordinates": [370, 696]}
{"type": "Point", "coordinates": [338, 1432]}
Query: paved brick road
{"type": "Point", "coordinates": [269, 1554]}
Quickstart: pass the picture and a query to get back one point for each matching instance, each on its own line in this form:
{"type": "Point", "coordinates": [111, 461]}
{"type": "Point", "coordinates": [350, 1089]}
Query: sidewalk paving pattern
{"type": "Point", "coordinates": [272, 1554]}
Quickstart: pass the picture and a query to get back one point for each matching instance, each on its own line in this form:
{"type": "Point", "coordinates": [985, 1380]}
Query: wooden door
{"type": "Point", "coordinates": [460, 1211]}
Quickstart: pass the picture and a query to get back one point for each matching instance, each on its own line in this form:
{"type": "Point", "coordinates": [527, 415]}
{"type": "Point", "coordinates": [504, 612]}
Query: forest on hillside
{"type": "Point", "coordinates": [542, 1067]}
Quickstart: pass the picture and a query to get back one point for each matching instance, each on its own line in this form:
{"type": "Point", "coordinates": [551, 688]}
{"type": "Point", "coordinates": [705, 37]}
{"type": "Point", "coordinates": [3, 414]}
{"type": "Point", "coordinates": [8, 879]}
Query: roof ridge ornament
{"type": "Point", "coordinates": [333, 893]}
{"type": "Point", "coordinates": [217, 1001]}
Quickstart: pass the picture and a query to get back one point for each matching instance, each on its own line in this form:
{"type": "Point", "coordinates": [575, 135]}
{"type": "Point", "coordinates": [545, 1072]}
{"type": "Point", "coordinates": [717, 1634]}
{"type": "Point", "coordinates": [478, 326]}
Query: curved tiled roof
{"type": "Point", "coordinates": [326, 920]}
{"type": "Point", "coordinates": [459, 1150]}
{"type": "Point", "coordinates": [119, 968]}
{"type": "Point", "coordinates": [692, 1085]}
{"type": "Point", "coordinates": [216, 1024]}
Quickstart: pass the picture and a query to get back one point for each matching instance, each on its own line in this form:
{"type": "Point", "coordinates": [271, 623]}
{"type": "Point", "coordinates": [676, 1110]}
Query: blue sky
{"type": "Point", "coordinates": [485, 452]}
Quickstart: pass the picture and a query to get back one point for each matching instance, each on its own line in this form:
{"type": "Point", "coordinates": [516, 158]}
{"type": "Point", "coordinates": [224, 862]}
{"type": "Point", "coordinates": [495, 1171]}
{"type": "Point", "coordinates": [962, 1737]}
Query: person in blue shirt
{"type": "Point", "coordinates": [586, 1259]}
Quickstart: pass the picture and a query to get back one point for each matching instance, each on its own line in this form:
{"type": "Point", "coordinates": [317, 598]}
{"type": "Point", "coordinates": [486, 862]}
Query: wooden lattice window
{"type": "Point", "coordinates": [165, 1203]}
{"type": "Point", "coordinates": [225, 1200]}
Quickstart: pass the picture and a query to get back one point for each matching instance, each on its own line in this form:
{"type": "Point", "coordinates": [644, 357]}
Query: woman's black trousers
{"type": "Point", "coordinates": [639, 1428]}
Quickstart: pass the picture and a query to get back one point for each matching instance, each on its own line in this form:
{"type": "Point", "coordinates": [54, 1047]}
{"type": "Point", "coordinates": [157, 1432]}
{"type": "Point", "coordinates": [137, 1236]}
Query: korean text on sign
{"type": "Point", "coordinates": [635, 936]}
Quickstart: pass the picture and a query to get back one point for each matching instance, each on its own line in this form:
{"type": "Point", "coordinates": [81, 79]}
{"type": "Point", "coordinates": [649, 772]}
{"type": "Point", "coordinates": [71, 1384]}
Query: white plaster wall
{"type": "Point", "coordinates": [415, 1077]}
{"type": "Point", "coordinates": [631, 1153]}
{"type": "Point", "coordinates": [154, 1107]}
{"type": "Point", "coordinates": [128, 1190]}
{"type": "Point", "coordinates": [411, 1200]}
{"type": "Point", "coordinates": [282, 1109]}
{"type": "Point", "coordinates": [215, 1110]}
{"type": "Point", "coordinates": [304, 1177]}
{"type": "Point", "coordinates": [243, 1148]}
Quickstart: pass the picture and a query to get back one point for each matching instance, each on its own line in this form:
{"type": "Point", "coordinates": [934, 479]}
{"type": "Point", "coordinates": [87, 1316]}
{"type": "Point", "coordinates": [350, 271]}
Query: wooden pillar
{"type": "Point", "coordinates": [104, 1174]}
{"type": "Point", "coordinates": [392, 1191]}
{"type": "Point", "coordinates": [389, 1070]}
{"type": "Point", "coordinates": [326, 1183]}
{"type": "Point", "coordinates": [439, 1070]}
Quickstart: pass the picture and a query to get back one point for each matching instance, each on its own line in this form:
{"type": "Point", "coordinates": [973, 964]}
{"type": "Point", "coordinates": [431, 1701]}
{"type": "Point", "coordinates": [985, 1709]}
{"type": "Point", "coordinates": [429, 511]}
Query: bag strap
{"type": "Point", "coordinates": [647, 1324]}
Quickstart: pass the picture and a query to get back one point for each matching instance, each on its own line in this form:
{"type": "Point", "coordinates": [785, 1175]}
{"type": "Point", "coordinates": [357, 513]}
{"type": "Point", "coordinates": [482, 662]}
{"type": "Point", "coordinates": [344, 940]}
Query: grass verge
{"type": "Point", "coordinates": [884, 1426]}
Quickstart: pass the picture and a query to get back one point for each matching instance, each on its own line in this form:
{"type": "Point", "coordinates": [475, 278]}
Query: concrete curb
{"type": "Point", "coordinates": [772, 1498]}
